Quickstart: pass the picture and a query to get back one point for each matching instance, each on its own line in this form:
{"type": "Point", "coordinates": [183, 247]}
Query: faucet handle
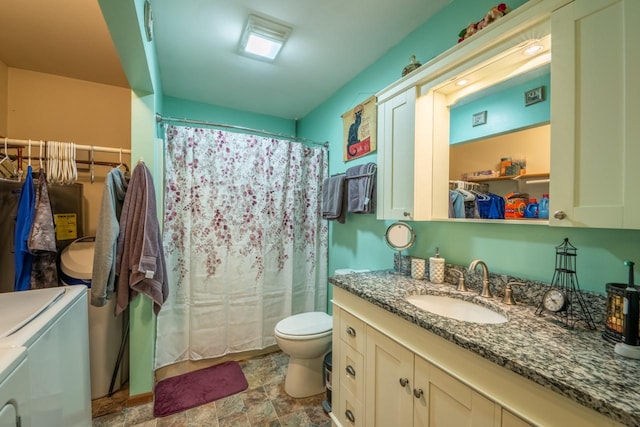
{"type": "Point", "coordinates": [461, 285]}
{"type": "Point", "coordinates": [508, 293]}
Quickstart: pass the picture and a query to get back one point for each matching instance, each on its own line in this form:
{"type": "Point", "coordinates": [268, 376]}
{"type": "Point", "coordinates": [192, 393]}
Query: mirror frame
{"type": "Point", "coordinates": [398, 245]}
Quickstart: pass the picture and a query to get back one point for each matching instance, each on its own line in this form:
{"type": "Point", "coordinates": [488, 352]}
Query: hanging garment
{"type": "Point", "coordinates": [24, 219]}
{"type": "Point", "coordinates": [42, 239]}
{"type": "Point", "coordinates": [244, 237]}
{"type": "Point", "coordinates": [140, 262]}
{"type": "Point", "coordinates": [104, 258]}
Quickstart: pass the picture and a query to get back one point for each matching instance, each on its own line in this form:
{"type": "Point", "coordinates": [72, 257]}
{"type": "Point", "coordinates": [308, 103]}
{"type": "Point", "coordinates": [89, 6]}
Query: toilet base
{"type": "Point", "coordinates": [304, 377]}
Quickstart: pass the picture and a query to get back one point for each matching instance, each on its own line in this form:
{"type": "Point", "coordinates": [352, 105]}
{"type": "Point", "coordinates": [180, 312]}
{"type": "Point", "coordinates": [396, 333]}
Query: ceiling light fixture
{"type": "Point", "coordinates": [462, 82]}
{"type": "Point", "coordinates": [262, 38]}
{"type": "Point", "coordinates": [533, 49]}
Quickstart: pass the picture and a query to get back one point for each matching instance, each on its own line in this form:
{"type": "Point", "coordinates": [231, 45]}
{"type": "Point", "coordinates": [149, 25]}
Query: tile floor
{"type": "Point", "coordinates": [264, 403]}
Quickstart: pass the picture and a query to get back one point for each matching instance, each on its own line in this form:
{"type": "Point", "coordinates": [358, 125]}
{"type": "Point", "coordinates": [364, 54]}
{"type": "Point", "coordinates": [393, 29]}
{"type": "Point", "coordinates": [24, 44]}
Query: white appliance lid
{"type": "Point", "coordinates": [76, 259]}
{"type": "Point", "coordinates": [19, 308]}
{"type": "Point", "coordinates": [311, 323]}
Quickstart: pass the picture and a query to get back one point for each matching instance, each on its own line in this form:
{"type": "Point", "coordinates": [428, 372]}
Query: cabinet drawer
{"type": "Point", "coordinates": [351, 411]}
{"type": "Point", "coordinates": [352, 375]}
{"type": "Point", "coordinates": [352, 331]}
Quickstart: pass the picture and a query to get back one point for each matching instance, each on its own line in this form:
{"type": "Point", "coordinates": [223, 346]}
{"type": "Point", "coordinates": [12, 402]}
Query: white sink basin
{"type": "Point", "coordinates": [456, 309]}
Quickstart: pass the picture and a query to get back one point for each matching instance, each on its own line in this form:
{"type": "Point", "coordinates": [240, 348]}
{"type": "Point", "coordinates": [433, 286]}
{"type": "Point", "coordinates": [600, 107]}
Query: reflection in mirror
{"type": "Point", "coordinates": [400, 236]}
{"type": "Point", "coordinates": [501, 112]}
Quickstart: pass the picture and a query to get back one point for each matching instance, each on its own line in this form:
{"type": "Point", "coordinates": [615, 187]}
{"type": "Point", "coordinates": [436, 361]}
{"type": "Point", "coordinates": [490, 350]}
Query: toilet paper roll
{"type": "Point", "coordinates": [418, 267]}
{"type": "Point", "coordinates": [436, 270]}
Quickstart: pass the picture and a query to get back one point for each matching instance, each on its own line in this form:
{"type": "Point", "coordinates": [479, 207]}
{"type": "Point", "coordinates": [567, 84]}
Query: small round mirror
{"type": "Point", "coordinates": [400, 236]}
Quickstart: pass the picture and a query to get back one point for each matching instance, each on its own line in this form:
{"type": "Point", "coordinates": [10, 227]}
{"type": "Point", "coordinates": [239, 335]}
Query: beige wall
{"type": "Point", "coordinates": [48, 107]}
{"type": "Point", "coordinates": [533, 144]}
{"type": "Point", "coordinates": [4, 82]}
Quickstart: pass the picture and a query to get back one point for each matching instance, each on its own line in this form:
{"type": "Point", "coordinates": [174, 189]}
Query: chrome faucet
{"type": "Point", "coordinates": [486, 292]}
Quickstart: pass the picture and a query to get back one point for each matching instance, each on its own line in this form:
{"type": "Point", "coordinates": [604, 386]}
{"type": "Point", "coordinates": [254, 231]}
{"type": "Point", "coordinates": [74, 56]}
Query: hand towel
{"type": "Point", "coordinates": [361, 181]}
{"type": "Point", "coordinates": [333, 198]}
{"type": "Point", "coordinates": [140, 262]}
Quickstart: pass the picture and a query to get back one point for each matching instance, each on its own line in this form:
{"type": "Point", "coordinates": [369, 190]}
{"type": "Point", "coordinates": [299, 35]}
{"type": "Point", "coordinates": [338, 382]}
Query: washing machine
{"type": "Point", "coordinates": [14, 403]}
{"type": "Point", "coordinates": [51, 327]}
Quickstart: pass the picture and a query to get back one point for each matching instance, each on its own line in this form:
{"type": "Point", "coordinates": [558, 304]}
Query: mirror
{"type": "Point", "coordinates": [400, 236]}
{"type": "Point", "coordinates": [497, 109]}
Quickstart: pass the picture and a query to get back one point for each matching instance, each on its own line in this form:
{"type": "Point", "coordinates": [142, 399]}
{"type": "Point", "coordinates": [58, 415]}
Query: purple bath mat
{"type": "Point", "coordinates": [177, 394]}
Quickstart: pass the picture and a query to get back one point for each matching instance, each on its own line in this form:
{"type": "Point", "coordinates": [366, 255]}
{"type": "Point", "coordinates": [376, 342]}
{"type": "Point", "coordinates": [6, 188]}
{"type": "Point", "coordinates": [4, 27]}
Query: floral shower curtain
{"type": "Point", "coordinates": [244, 240]}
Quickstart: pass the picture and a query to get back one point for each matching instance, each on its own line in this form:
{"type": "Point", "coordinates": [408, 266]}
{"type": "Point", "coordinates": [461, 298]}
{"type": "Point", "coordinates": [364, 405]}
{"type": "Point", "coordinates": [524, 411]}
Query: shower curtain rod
{"type": "Point", "coordinates": [161, 119]}
{"type": "Point", "coordinates": [35, 145]}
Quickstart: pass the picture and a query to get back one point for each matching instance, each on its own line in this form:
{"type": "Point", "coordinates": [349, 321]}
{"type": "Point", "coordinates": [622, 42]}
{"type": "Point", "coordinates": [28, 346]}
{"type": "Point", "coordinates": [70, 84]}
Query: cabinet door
{"type": "Point", "coordinates": [594, 114]}
{"type": "Point", "coordinates": [389, 382]}
{"type": "Point", "coordinates": [511, 420]}
{"type": "Point", "coordinates": [396, 127]}
{"type": "Point", "coordinates": [450, 402]}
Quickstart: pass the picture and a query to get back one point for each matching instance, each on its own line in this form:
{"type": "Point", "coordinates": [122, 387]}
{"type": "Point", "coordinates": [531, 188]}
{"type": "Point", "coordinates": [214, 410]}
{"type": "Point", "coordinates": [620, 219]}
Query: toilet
{"type": "Point", "coordinates": [306, 338]}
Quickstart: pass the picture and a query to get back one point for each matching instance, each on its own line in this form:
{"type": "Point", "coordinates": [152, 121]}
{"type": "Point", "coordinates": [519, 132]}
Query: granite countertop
{"type": "Point", "coordinates": [577, 363]}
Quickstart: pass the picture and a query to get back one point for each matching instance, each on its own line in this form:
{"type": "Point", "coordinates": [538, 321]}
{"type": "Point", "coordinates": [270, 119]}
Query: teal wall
{"type": "Point", "coordinates": [505, 111]}
{"type": "Point", "coordinates": [525, 251]}
{"type": "Point", "coordinates": [180, 108]}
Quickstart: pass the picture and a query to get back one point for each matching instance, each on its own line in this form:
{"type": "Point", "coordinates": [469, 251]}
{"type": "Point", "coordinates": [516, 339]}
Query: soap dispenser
{"type": "Point", "coordinates": [436, 268]}
{"type": "Point", "coordinates": [630, 345]}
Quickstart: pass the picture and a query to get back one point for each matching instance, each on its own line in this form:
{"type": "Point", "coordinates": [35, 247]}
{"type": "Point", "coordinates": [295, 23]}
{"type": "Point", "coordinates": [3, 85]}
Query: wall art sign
{"type": "Point", "coordinates": [534, 96]}
{"type": "Point", "coordinates": [359, 130]}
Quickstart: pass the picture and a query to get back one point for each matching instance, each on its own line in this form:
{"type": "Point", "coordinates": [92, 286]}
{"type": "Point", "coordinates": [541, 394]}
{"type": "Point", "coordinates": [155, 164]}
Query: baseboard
{"type": "Point", "coordinates": [140, 399]}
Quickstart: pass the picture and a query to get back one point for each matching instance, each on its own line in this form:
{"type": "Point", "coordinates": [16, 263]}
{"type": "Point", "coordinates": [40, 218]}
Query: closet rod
{"type": "Point", "coordinates": [161, 119]}
{"type": "Point", "coordinates": [35, 144]}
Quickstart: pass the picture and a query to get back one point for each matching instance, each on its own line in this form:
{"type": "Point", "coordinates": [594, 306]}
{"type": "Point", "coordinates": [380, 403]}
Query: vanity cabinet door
{"type": "Point", "coordinates": [389, 382]}
{"type": "Point", "coordinates": [447, 401]}
{"type": "Point", "coordinates": [511, 420]}
{"type": "Point", "coordinates": [396, 127]}
{"type": "Point", "coordinates": [595, 106]}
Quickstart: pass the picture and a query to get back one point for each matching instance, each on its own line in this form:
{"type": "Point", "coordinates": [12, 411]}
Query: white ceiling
{"type": "Point", "coordinates": [196, 40]}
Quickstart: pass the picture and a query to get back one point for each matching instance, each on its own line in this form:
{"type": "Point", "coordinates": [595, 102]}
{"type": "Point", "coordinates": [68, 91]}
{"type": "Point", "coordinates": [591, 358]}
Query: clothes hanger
{"type": "Point", "coordinates": [7, 168]}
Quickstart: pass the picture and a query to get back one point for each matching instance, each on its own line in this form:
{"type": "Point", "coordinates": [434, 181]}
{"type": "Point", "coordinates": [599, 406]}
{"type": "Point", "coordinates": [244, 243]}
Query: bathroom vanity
{"type": "Point", "coordinates": [397, 365]}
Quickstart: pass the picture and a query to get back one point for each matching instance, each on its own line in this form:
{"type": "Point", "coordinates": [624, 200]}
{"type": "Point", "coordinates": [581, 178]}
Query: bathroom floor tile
{"type": "Point", "coordinates": [263, 404]}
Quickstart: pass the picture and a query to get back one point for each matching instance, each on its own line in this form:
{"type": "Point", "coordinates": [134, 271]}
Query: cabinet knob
{"type": "Point", "coordinates": [404, 382]}
{"type": "Point", "coordinates": [407, 214]}
{"type": "Point", "coordinates": [350, 416]}
{"type": "Point", "coordinates": [351, 331]}
{"type": "Point", "coordinates": [350, 370]}
{"type": "Point", "coordinates": [417, 392]}
{"type": "Point", "coordinates": [559, 215]}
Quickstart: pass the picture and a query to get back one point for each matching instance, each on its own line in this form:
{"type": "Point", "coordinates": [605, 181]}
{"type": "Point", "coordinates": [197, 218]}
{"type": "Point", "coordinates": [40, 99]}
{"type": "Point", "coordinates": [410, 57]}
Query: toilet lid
{"type": "Point", "coordinates": [312, 323]}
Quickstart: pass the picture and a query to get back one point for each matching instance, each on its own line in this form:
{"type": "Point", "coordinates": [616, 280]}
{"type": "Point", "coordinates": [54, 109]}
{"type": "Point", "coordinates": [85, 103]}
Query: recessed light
{"type": "Point", "coordinates": [462, 82]}
{"type": "Point", "coordinates": [533, 49]}
{"type": "Point", "coordinates": [262, 38]}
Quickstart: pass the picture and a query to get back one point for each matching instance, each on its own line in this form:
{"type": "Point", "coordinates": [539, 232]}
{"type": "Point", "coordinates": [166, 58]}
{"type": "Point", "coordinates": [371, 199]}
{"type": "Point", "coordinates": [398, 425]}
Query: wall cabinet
{"type": "Point", "coordinates": [396, 124]}
{"type": "Point", "coordinates": [390, 372]}
{"type": "Point", "coordinates": [595, 130]}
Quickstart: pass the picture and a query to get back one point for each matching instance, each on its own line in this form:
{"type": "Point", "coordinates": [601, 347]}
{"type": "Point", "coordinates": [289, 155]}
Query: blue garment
{"type": "Point", "coordinates": [457, 200]}
{"type": "Point", "coordinates": [24, 220]}
{"type": "Point", "coordinates": [492, 208]}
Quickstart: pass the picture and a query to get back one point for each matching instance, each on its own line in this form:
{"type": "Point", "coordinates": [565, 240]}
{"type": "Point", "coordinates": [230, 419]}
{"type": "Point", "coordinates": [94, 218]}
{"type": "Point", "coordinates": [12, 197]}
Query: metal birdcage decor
{"type": "Point", "coordinates": [564, 300]}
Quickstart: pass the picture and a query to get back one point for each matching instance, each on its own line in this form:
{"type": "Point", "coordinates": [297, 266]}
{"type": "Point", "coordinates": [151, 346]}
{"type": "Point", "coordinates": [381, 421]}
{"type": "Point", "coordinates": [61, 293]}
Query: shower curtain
{"type": "Point", "coordinates": [244, 241]}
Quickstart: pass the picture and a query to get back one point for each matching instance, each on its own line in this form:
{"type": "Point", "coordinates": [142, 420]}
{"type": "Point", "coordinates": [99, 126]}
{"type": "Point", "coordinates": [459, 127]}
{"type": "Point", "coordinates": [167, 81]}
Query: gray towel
{"type": "Point", "coordinates": [361, 181]}
{"type": "Point", "coordinates": [333, 198]}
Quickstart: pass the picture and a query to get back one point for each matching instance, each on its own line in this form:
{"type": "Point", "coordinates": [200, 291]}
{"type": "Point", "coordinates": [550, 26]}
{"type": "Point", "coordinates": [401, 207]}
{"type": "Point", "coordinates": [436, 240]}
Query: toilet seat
{"type": "Point", "coordinates": [305, 326]}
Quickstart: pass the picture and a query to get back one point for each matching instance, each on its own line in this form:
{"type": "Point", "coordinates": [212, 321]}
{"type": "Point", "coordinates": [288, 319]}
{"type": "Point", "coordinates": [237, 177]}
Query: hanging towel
{"type": "Point", "coordinates": [333, 198]}
{"type": "Point", "coordinates": [24, 219]}
{"type": "Point", "coordinates": [103, 275]}
{"type": "Point", "coordinates": [42, 239]}
{"type": "Point", "coordinates": [361, 182]}
{"type": "Point", "coordinates": [140, 262]}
